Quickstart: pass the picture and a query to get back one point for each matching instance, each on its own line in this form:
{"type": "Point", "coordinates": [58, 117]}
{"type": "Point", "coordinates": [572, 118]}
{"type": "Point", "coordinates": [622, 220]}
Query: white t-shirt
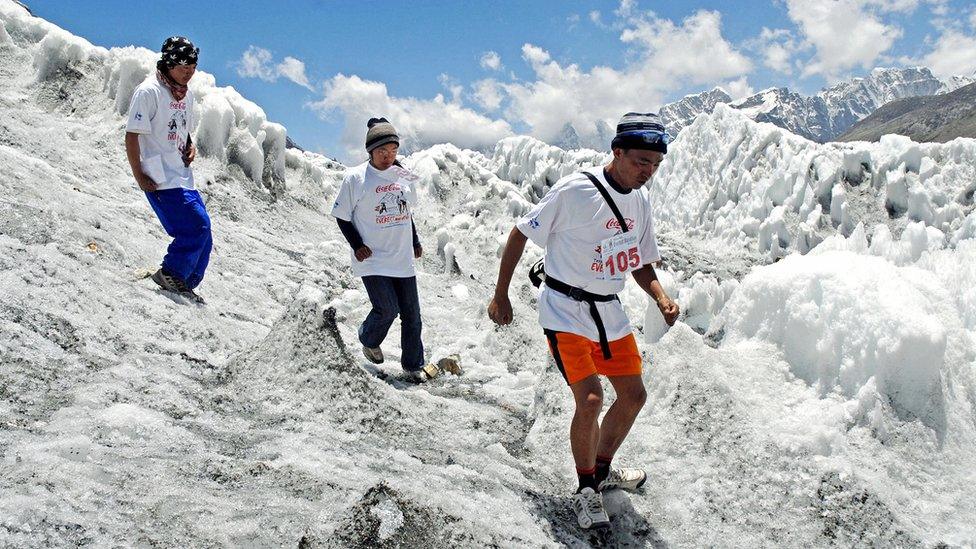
{"type": "Point", "coordinates": [163, 125]}
{"type": "Point", "coordinates": [378, 203]}
{"type": "Point", "coordinates": [585, 248]}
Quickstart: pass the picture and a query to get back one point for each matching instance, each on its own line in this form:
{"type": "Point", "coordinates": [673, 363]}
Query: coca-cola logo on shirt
{"type": "Point", "coordinates": [391, 188]}
{"type": "Point", "coordinates": [614, 224]}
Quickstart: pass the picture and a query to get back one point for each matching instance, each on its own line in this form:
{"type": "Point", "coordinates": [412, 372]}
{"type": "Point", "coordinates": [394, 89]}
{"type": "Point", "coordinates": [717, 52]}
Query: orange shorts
{"type": "Point", "coordinates": [578, 358]}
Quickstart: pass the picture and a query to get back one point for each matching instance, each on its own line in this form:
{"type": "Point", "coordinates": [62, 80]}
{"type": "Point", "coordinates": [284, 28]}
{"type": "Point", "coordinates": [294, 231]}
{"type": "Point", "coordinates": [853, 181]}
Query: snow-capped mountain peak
{"type": "Point", "coordinates": [679, 114]}
{"type": "Point", "coordinates": [823, 116]}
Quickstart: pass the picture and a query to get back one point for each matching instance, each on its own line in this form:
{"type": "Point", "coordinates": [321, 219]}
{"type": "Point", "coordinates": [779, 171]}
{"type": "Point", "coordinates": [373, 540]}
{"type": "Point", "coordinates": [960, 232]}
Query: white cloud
{"type": "Point", "coordinates": [902, 6]}
{"type": "Point", "coordinates": [844, 33]}
{"type": "Point", "coordinates": [778, 48]}
{"type": "Point", "coordinates": [419, 122]}
{"type": "Point", "coordinates": [777, 57]}
{"type": "Point", "coordinates": [954, 54]}
{"type": "Point", "coordinates": [738, 89]}
{"type": "Point", "coordinates": [452, 86]}
{"type": "Point", "coordinates": [626, 8]}
{"type": "Point", "coordinates": [488, 93]}
{"type": "Point", "coordinates": [596, 18]}
{"type": "Point", "coordinates": [294, 70]}
{"type": "Point", "coordinates": [258, 62]}
{"type": "Point", "coordinates": [566, 94]}
{"type": "Point", "coordinates": [667, 57]}
{"type": "Point", "coordinates": [534, 55]}
{"type": "Point", "coordinates": [694, 51]}
{"type": "Point", "coordinates": [939, 7]}
{"type": "Point", "coordinates": [490, 60]}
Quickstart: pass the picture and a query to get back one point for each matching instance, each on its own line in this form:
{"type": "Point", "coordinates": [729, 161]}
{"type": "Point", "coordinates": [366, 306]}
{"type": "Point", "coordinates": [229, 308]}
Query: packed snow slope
{"type": "Point", "coordinates": [825, 399]}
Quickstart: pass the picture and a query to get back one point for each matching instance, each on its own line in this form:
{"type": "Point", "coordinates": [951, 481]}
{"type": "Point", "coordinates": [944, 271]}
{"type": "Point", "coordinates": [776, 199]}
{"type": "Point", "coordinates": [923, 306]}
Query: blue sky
{"type": "Point", "coordinates": [471, 72]}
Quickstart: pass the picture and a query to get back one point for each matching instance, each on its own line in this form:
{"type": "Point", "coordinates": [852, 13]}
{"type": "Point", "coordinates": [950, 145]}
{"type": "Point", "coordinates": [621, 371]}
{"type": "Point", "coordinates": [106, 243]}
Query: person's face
{"type": "Point", "coordinates": [635, 167]}
{"type": "Point", "coordinates": [384, 155]}
{"type": "Point", "coordinates": [182, 73]}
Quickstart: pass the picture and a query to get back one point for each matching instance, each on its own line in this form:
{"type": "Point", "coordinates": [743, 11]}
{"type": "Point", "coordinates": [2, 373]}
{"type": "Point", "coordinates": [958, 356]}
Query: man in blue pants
{"type": "Point", "coordinates": [160, 150]}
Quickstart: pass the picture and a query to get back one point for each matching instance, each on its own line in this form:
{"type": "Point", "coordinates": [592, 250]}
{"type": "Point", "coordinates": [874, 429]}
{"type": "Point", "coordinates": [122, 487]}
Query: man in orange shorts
{"type": "Point", "coordinates": [596, 227]}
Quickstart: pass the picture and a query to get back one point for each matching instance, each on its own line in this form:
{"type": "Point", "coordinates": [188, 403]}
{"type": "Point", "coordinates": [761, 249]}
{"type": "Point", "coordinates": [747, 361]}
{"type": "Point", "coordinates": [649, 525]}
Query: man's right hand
{"type": "Point", "coordinates": [500, 311]}
{"type": "Point", "coordinates": [145, 182]}
{"type": "Point", "coordinates": [669, 309]}
{"type": "Point", "coordinates": [363, 253]}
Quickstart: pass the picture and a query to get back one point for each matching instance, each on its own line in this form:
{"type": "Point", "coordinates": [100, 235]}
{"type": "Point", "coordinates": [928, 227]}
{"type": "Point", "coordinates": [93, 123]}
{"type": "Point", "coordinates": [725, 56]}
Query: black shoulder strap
{"type": "Point", "coordinates": [537, 273]}
{"type": "Point", "coordinates": [610, 202]}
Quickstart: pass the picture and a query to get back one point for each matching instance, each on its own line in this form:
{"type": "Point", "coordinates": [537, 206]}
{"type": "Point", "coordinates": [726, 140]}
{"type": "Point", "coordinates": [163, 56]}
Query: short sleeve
{"type": "Point", "coordinates": [142, 109]}
{"type": "Point", "coordinates": [345, 201]}
{"type": "Point", "coordinates": [543, 219]}
{"type": "Point", "coordinates": [648, 239]}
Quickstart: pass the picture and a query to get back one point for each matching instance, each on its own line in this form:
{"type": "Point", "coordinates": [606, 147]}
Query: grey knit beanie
{"type": "Point", "coordinates": [380, 133]}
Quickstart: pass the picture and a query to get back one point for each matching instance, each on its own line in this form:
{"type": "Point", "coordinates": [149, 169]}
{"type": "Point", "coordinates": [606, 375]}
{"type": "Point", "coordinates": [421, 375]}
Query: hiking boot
{"type": "Point", "coordinates": [589, 509]}
{"type": "Point", "coordinates": [373, 354]}
{"type": "Point", "coordinates": [624, 479]}
{"type": "Point", "coordinates": [167, 281]}
{"type": "Point", "coordinates": [187, 293]}
{"type": "Point", "coordinates": [192, 296]}
{"type": "Point", "coordinates": [170, 283]}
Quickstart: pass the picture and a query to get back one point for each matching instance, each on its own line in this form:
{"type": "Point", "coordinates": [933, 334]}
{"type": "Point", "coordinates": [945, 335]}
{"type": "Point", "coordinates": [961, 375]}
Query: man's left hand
{"type": "Point", "coordinates": [418, 251]}
{"type": "Point", "coordinates": [669, 309]}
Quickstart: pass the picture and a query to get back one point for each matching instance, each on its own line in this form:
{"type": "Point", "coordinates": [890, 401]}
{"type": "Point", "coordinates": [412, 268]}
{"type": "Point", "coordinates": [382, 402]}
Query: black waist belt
{"type": "Point", "coordinates": [591, 299]}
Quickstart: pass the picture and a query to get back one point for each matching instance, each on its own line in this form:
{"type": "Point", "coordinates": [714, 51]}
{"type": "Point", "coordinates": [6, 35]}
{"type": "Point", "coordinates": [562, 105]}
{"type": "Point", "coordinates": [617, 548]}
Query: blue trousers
{"type": "Point", "coordinates": [391, 297]}
{"type": "Point", "coordinates": [184, 217]}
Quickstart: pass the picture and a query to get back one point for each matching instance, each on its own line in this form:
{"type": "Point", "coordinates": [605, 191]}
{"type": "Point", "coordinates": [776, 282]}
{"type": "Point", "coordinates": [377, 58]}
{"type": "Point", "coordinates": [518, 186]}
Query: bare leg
{"type": "Point", "coordinates": [584, 431]}
{"type": "Point", "coordinates": [621, 415]}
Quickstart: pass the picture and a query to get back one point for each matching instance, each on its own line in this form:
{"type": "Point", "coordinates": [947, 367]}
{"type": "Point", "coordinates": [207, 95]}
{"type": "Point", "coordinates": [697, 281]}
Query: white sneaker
{"type": "Point", "coordinates": [374, 354]}
{"type": "Point", "coordinates": [624, 479]}
{"type": "Point", "coordinates": [589, 509]}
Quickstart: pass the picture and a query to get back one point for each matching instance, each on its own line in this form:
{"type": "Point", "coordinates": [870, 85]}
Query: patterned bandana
{"type": "Point", "coordinates": [178, 50]}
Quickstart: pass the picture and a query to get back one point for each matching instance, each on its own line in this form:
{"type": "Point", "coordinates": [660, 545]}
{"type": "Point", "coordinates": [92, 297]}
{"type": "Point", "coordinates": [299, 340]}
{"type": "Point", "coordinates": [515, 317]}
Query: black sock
{"type": "Point", "coordinates": [587, 479]}
{"type": "Point", "coordinates": [602, 468]}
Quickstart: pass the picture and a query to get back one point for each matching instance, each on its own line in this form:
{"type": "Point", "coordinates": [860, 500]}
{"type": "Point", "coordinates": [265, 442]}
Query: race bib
{"type": "Point", "coordinates": [619, 255]}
